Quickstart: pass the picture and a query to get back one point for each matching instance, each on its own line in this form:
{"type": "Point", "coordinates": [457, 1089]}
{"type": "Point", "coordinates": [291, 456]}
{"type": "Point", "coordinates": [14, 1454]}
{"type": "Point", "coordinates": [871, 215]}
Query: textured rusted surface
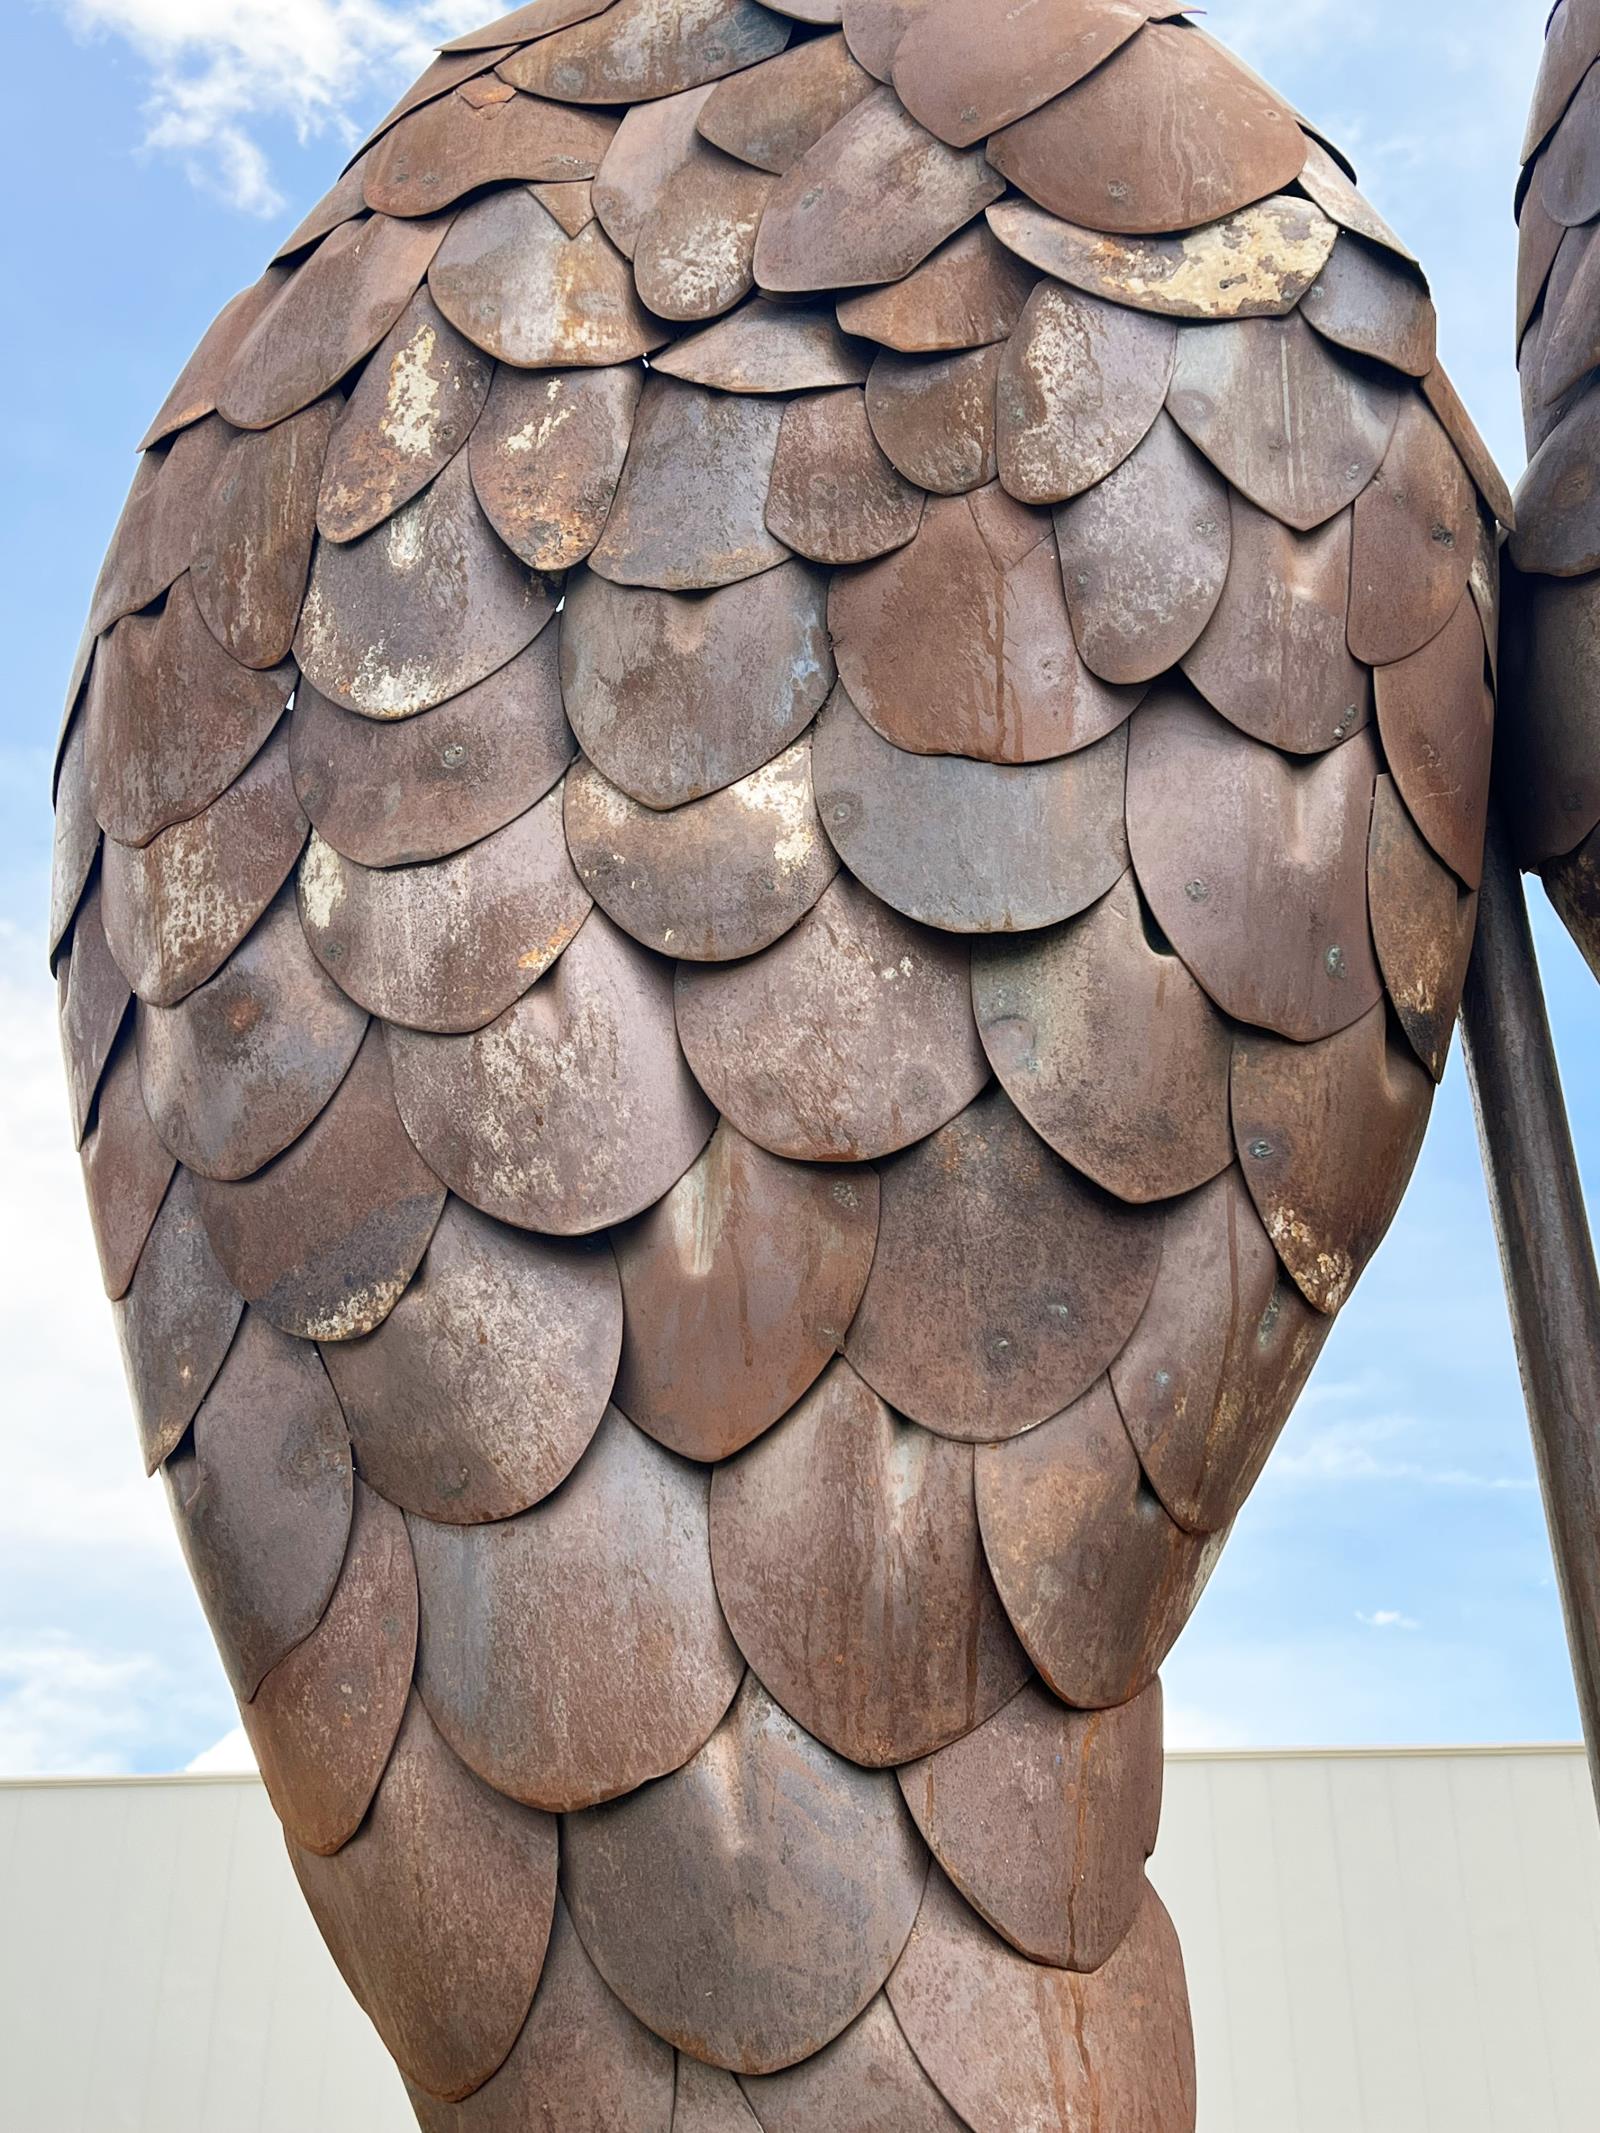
{"type": "Point", "coordinates": [851, 1037]}
{"type": "Point", "coordinates": [1258, 263]}
{"type": "Point", "coordinates": [326, 1238]}
{"type": "Point", "coordinates": [1050, 1281]}
{"type": "Point", "coordinates": [261, 1499]}
{"type": "Point", "coordinates": [1011, 2044]}
{"type": "Point", "coordinates": [1327, 1212]}
{"type": "Point", "coordinates": [438, 1912]}
{"type": "Point", "coordinates": [573, 1653]}
{"type": "Point", "coordinates": [848, 1559]}
{"type": "Point", "coordinates": [479, 1392]}
{"type": "Point", "coordinates": [674, 697]}
{"type": "Point", "coordinates": [738, 1287]}
{"type": "Point", "coordinates": [324, 1719]}
{"type": "Point", "coordinates": [1548, 767]}
{"type": "Point", "coordinates": [1044, 1817]}
{"type": "Point", "coordinates": [450, 945]}
{"type": "Point", "coordinates": [239, 1069]}
{"type": "Point", "coordinates": [1109, 1049]}
{"type": "Point", "coordinates": [719, 878]}
{"type": "Point", "coordinates": [976, 486]}
{"type": "Point", "coordinates": [389, 792]}
{"type": "Point", "coordinates": [763, 1823]}
{"type": "Point", "coordinates": [572, 1110]}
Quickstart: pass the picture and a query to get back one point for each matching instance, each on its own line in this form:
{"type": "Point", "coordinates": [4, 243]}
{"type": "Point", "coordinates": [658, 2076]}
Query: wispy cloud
{"type": "Point", "coordinates": [222, 70]}
{"type": "Point", "coordinates": [1377, 1446]}
{"type": "Point", "coordinates": [1387, 1618]}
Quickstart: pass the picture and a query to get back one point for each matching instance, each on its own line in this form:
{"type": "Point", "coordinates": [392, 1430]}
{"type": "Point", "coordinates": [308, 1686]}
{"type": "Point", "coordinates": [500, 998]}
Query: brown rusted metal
{"type": "Point", "coordinates": [261, 1499]}
{"type": "Point", "coordinates": [390, 792]}
{"type": "Point", "coordinates": [1043, 1818]}
{"type": "Point", "coordinates": [1169, 133]}
{"type": "Point", "coordinates": [869, 202]}
{"type": "Point", "coordinates": [990, 669]}
{"type": "Point", "coordinates": [325, 1717]}
{"type": "Point", "coordinates": [849, 1038]}
{"type": "Point", "coordinates": [1327, 1209]}
{"type": "Point", "coordinates": [1080, 383]}
{"type": "Point", "coordinates": [1567, 175]}
{"type": "Point", "coordinates": [572, 1110]}
{"type": "Point", "coordinates": [449, 945]}
{"type": "Point", "coordinates": [675, 697]}
{"type": "Point", "coordinates": [636, 50]}
{"type": "Point", "coordinates": [850, 1531]}
{"type": "Point", "coordinates": [413, 408]}
{"type": "Point", "coordinates": [1275, 657]}
{"type": "Point", "coordinates": [1067, 1519]}
{"type": "Point", "coordinates": [240, 1068]}
{"type": "Point", "coordinates": [718, 878]}
{"type": "Point", "coordinates": [438, 1912]}
{"type": "Point", "coordinates": [510, 278]}
{"type": "Point", "coordinates": [126, 1171]}
{"type": "Point", "coordinates": [1255, 865]}
{"type": "Point", "coordinates": [870, 2069]}
{"type": "Point", "coordinates": [333, 310]}
{"type": "Point", "coordinates": [1300, 431]}
{"type": "Point", "coordinates": [325, 1239]}
{"type": "Point", "coordinates": [1008, 2041]}
{"type": "Point", "coordinates": [936, 419]}
{"type": "Point", "coordinates": [574, 1653]}
{"type": "Point", "coordinates": [741, 1344]}
{"type": "Point", "coordinates": [386, 633]}
{"type": "Point", "coordinates": [546, 457]}
{"type": "Point", "coordinates": [1036, 842]}
{"type": "Point", "coordinates": [694, 255]}
{"type": "Point", "coordinates": [1257, 263]}
{"type": "Point", "coordinates": [483, 1430]}
{"type": "Point", "coordinates": [767, 347]}
{"type": "Point", "coordinates": [1219, 1358]}
{"type": "Point", "coordinates": [1050, 1281]}
{"type": "Point", "coordinates": [964, 75]}
{"type": "Point", "coordinates": [860, 507]}
{"type": "Point", "coordinates": [688, 516]}
{"type": "Point", "coordinates": [1109, 1049]}
{"type": "Point", "coordinates": [1422, 926]}
{"type": "Point", "coordinates": [1366, 300]}
{"type": "Point", "coordinates": [1144, 557]}
{"type": "Point", "coordinates": [579, 2041]}
{"type": "Point", "coordinates": [171, 718]}
{"type": "Point", "coordinates": [1436, 716]}
{"type": "Point", "coordinates": [1559, 534]}
{"type": "Point", "coordinates": [770, 114]}
{"type": "Point", "coordinates": [460, 142]}
{"type": "Point", "coordinates": [649, 148]}
{"type": "Point", "coordinates": [764, 1822]}
{"type": "Point", "coordinates": [175, 1323]}
{"type": "Point", "coordinates": [176, 910]}
{"type": "Point", "coordinates": [1414, 527]}
{"type": "Point", "coordinates": [970, 294]}
{"type": "Point", "coordinates": [739, 1285]}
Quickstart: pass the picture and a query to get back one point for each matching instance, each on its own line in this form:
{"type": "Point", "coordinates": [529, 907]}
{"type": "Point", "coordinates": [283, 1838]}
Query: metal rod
{"type": "Point", "coordinates": [1546, 1251]}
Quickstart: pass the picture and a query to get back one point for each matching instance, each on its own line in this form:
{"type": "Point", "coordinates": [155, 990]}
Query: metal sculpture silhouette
{"type": "Point", "coordinates": [756, 917]}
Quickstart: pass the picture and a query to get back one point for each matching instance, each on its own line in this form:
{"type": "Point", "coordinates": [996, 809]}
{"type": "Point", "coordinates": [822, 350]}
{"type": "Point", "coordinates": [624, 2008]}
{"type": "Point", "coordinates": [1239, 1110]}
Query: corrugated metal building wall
{"type": "Point", "coordinates": [1377, 1943]}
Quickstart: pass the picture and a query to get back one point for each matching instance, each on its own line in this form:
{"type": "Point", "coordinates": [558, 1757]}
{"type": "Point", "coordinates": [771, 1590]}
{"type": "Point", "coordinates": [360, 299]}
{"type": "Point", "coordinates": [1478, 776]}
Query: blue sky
{"type": "Point", "coordinates": [1389, 1581]}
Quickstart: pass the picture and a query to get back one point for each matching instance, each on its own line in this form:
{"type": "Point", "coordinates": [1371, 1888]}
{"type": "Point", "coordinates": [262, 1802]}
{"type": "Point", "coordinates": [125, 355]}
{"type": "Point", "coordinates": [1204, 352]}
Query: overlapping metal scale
{"type": "Point", "coordinates": [766, 841]}
{"type": "Point", "coordinates": [1552, 731]}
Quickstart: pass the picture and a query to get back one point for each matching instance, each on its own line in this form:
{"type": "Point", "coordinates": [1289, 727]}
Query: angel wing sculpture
{"type": "Point", "coordinates": [756, 914]}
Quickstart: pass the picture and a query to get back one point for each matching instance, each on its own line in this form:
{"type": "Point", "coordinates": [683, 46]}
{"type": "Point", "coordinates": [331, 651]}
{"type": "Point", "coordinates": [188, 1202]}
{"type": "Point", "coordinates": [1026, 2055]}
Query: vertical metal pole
{"type": "Point", "coordinates": [1545, 1249]}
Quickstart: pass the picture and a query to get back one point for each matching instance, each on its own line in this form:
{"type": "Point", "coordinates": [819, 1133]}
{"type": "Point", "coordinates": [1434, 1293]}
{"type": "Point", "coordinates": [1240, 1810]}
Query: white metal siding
{"type": "Point", "coordinates": [1376, 1944]}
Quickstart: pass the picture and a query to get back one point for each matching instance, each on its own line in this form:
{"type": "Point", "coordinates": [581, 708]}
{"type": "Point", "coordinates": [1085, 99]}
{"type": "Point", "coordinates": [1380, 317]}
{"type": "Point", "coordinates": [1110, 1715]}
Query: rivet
{"type": "Point", "coordinates": [1261, 1150]}
{"type": "Point", "coordinates": [1198, 892]}
{"type": "Point", "coordinates": [1334, 959]}
{"type": "Point", "coordinates": [454, 756]}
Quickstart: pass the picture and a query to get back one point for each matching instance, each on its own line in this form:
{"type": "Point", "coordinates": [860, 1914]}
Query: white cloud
{"type": "Point", "coordinates": [224, 1757]}
{"type": "Point", "coordinates": [1387, 1618]}
{"type": "Point", "coordinates": [1188, 1726]}
{"type": "Point", "coordinates": [219, 69]}
{"type": "Point", "coordinates": [65, 1709]}
{"type": "Point", "coordinates": [1370, 1447]}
